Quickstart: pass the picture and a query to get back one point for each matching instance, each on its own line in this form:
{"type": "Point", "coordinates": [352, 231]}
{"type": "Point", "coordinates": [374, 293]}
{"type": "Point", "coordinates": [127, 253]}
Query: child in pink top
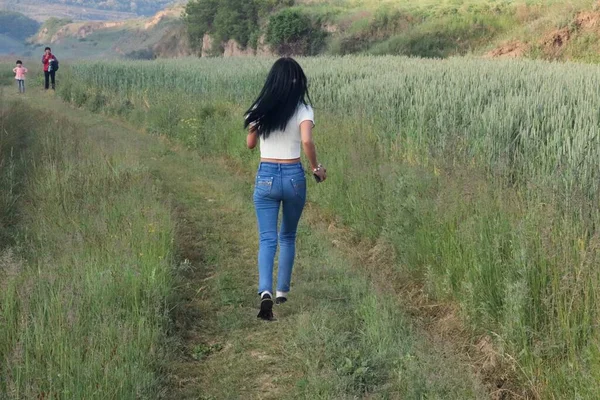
{"type": "Point", "coordinates": [20, 72]}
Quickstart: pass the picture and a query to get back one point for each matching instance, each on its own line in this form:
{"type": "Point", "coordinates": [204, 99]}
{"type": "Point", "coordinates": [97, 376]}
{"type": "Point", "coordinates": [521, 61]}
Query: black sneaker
{"type": "Point", "coordinates": [280, 300]}
{"type": "Point", "coordinates": [266, 308]}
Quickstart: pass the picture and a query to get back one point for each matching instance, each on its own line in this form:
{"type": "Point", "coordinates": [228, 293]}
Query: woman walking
{"type": "Point", "coordinates": [282, 120]}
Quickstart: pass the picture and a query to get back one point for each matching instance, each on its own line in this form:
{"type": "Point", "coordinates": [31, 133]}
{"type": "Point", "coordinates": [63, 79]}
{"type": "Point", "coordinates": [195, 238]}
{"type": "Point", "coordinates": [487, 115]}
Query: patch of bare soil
{"type": "Point", "coordinates": [513, 49]}
{"type": "Point", "coordinates": [173, 12]}
{"type": "Point", "coordinates": [588, 20]}
{"type": "Point", "coordinates": [156, 19]}
{"type": "Point", "coordinates": [555, 40]}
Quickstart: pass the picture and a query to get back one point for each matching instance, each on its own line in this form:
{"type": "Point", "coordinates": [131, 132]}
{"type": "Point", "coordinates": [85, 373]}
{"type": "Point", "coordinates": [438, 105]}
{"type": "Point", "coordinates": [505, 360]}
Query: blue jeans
{"type": "Point", "coordinates": [278, 185]}
{"type": "Point", "coordinates": [21, 83]}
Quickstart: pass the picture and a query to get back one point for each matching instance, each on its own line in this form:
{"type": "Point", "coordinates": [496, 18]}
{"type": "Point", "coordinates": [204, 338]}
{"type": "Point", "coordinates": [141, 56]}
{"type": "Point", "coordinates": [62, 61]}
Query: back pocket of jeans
{"type": "Point", "coordinates": [263, 185]}
{"type": "Point", "coordinates": [299, 185]}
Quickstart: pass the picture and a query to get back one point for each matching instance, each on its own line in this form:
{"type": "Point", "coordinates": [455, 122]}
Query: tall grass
{"type": "Point", "coordinates": [482, 175]}
{"type": "Point", "coordinates": [13, 149]}
{"type": "Point", "coordinates": [527, 120]}
{"type": "Point", "coordinates": [84, 282]}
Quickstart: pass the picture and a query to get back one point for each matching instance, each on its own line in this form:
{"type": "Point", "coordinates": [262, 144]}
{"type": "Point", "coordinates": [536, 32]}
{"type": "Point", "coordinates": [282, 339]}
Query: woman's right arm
{"type": "Point", "coordinates": [252, 137]}
{"type": "Point", "coordinates": [310, 150]}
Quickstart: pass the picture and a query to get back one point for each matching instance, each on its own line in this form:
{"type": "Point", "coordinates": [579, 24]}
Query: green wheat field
{"type": "Point", "coordinates": [480, 177]}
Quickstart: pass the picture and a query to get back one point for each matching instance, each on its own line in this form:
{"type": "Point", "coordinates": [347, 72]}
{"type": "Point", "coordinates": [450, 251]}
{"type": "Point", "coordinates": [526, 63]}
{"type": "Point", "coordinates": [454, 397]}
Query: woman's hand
{"type": "Point", "coordinates": [320, 172]}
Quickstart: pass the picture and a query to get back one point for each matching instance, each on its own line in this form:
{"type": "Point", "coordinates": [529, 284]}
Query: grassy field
{"type": "Point", "coordinates": [128, 271]}
{"type": "Point", "coordinates": [85, 264]}
{"type": "Point", "coordinates": [480, 176]}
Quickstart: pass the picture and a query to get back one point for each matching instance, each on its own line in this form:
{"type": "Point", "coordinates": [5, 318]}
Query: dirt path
{"type": "Point", "coordinates": [343, 333]}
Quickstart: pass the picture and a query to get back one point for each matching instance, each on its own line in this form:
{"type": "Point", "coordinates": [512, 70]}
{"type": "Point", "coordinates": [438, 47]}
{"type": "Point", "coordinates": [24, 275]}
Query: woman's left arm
{"type": "Point", "coordinates": [252, 137]}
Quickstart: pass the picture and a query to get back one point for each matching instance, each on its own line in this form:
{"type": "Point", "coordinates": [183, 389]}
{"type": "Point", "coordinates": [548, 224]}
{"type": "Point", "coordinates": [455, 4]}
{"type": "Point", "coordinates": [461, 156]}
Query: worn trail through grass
{"type": "Point", "coordinates": [342, 335]}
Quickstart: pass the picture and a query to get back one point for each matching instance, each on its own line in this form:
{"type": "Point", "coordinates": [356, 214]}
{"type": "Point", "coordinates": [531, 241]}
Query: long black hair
{"type": "Point", "coordinates": [286, 88]}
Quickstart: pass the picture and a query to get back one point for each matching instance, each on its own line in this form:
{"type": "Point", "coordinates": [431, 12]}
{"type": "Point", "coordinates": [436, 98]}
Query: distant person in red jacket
{"type": "Point", "coordinates": [50, 67]}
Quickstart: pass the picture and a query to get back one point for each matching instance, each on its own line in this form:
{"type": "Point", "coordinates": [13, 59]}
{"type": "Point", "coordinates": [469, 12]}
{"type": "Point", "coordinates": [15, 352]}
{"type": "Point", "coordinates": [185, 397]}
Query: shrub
{"type": "Point", "coordinates": [349, 45]}
{"type": "Point", "coordinates": [365, 32]}
{"type": "Point", "coordinates": [141, 54]}
{"type": "Point", "coordinates": [96, 101]}
{"type": "Point", "coordinates": [228, 19]}
{"type": "Point", "coordinates": [79, 95]}
{"type": "Point", "coordinates": [293, 32]}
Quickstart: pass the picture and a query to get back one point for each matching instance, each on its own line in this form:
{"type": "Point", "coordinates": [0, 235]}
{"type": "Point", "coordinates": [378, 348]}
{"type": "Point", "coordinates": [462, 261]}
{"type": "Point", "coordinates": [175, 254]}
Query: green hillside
{"type": "Point", "coordinates": [15, 28]}
{"type": "Point", "coordinates": [426, 28]}
{"type": "Point", "coordinates": [17, 25]}
{"type": "Point", "coordinates": [162, 35]}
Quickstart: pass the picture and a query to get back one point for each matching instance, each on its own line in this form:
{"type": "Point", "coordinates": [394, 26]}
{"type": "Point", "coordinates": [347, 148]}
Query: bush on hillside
{"type": "Point", "coordinates": [352, 44]}
{"type": "Point", "coordinates": [385, 23]}
{"type": "Point", "coordinates": [141, 54]}
{"type": "Point", "coordinates": [229, 19]}
{"type": "Point", "coordinates": [293, 32]}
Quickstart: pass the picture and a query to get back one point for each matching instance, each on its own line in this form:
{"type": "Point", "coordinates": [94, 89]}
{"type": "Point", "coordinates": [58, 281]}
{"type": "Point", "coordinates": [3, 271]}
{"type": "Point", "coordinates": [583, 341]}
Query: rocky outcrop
{"type": "Point", "coordinates": [231, 48]}
{"type": "Point", "coordinates": [207, 46]}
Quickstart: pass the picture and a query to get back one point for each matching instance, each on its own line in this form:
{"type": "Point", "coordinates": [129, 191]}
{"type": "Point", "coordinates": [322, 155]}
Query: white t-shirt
{"type": "Point", "coordinates": [286, 144]}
